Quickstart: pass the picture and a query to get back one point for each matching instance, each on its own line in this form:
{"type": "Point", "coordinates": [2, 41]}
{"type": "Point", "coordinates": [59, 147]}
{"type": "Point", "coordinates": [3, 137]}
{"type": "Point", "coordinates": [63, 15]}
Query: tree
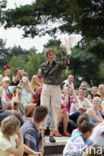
{"type": "Point", "coordinates": [2, 6]}
{"type": "Point", "coordinates": [15, 62]}
{"type": "Point", "coordinates": [4, 54]}
{"type": "Point", "coordinates": [79, 16]}
{"type": "Point", "coordinates": [33, 63]}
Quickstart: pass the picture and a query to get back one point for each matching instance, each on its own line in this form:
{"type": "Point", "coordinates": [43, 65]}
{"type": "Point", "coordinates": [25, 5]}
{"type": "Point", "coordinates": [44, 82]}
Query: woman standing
{"type": "Point", "coordinates": [51, 92]}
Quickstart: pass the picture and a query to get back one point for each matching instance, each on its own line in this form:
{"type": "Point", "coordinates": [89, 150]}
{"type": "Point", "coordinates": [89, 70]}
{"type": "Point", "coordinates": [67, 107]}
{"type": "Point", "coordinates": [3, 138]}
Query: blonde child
{"type": "Point", "coordinates": [11, 139]}
{"type": "Point", "coordinates": [94, 113]}
{"type": "Point", "coordinates": [17, 101]}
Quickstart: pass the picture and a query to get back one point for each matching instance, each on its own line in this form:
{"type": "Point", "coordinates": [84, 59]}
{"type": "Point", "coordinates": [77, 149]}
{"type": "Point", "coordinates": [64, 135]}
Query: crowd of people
{"type": "Point", "coordinates": [28, 107]}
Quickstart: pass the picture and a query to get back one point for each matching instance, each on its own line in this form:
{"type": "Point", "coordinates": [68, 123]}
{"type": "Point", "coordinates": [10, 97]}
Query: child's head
{"type": "Point", "coordinates": [40, 113]}
{"type": "Point", "coordinates": [17, 90]}
{"type": "Point", "coordinates": [63, 88]}
{"type": "Point", "coordinates": [96, 101]}
{"type": "Point", "coordinates": [66, 90]}
{"type": "Point", "coordinates": [84, 126]}
{"type": "Point", "coordinates": [94, 90]}
{"type": "Point", "coordinates": [10, 125]}
{"type": "Point", "coordinates": [93, 150]}
{"type": "Point", "coordinates": [81, 118]}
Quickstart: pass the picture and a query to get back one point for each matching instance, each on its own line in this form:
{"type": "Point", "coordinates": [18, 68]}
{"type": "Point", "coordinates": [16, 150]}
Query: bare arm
{"type": "Point", "coordinates": [30, 151]}
{"type": "Point", "coordinates": [1, 77]}
{"type": "Point", "coordinates": [19, 149]}
{"type": "Point", "coordinates": [34, 78]}
{"type": "Point", "coordinates": [94, 116]}
{"type": "Point", "coordinates": [65, 101]}
{"type": "Point", "coordinates": [41, 144]}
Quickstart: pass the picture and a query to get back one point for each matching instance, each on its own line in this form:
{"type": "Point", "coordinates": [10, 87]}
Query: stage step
{"type": "Point", "coordinates": [55, 149]}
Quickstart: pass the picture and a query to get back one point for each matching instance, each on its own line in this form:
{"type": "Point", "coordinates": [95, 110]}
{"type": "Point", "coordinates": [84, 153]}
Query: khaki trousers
{"type": "Point", "coordinates": [51, 97]}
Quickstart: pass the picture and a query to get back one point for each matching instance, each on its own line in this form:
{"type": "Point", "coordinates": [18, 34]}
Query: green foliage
{"type": "Point", "coordinates": [15, 62]}
{"type": "Point", "coordinates": [101, 71]}
{"type": "Point", "coordinates": [4, 53]}
{"type": "Point", "coordinates": [34, 62]}
{"type": "Point", "coordinates": [79, 16]}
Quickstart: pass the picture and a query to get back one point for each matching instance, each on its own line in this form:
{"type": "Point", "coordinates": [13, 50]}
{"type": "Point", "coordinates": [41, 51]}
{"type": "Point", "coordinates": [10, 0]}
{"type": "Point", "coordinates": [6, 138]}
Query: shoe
{"type": "Point", "coordinates": [57, 134]}
{"type": "Point", "coordinates": [66, 134]}
{"type": "Point", "coordinates": [52, 139]}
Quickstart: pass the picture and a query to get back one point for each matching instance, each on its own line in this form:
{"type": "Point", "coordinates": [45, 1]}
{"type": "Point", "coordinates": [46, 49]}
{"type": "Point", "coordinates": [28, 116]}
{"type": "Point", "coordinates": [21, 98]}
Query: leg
{"type": "Point", "coordinates": [29, 108]}
{"type": "Point", "coordinates": [55, 107]}
{"type": "Point", "coordinates": [60, 119]}
{"type": "Point", "coordinates": [75, 116]}
{"type": "Point", "coordinates": [65, 124]}
{"type": "Point", "coordinates": [45, 100]}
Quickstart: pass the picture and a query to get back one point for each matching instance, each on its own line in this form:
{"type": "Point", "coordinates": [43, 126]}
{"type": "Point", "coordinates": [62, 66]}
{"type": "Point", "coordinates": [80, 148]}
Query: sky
{"type": "Point", "coordinates": [13, 36]}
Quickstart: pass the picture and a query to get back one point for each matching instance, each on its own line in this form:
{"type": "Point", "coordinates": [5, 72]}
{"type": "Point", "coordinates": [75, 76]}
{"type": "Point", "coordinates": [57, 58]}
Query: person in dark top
{"type": "Point", "coordinates": [51, 92]}
{"type": "Point", "coordinates": [16, 79]}
{"type": "Point", "coordinates": [30, 129]}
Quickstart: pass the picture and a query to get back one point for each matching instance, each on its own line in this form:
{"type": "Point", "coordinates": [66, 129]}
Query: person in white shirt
{"type": "Point", "coordinates": [11, 139]}
{"type": "Point", "coordinates": [83, 103]}
{"type": "Point", "coordinates": [69, 80]}
{"type": "Point", "coordinates": [98, 135]}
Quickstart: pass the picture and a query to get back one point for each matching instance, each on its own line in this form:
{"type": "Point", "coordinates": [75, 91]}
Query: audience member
{"type": "Point", "coordinates": [94, 92]}
{"type": "Point", "coordinates": [6, 72]}
{"type": "Point", "coordinates": [6, 103]}
{"type": "Point", "coordinates": [94, 113]}
{"type": "Point", "coordinates": [27, 93]}
{"type": "Point", "coordinates": [98, 135]}
{"type": "Point", "coordinates": [37, 80]}
{"type": "Point", "coordinates": [79, 139]}
{"type": "Point", "coordinates": [16, 79]}
{"type": "Point", "coordinates": [30, 130]}
{"type": "Point", "coordinates": [101, 90]}
{"type": "Point", "coordinates": [83, 103]}
{"type": "Point", "coordinates": [17, 101]}
{"type": "Point", "coordinates": [69, 80]}
{"type": "Point", "coordinates": [11, 139]}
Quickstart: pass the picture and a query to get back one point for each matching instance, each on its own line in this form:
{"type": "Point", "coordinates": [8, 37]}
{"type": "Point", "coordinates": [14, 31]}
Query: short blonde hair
{"type": "Point", "coordinates": [10, 125]}
{"type": "Point", "coordinates": [48, 50]}
{"type": "Point", "coordinates": [101, 85]}
{"type": "Point", "coordinates": [97, 98]}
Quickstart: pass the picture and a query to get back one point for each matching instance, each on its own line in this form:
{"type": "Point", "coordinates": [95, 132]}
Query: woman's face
{"type": "Point", "coordinates": [6, 84]}
{"type": "Point", "coordinates": [51, 56]}
{"type": "Point", "coordinates": [7, 72]}
{"type": "Point", "coordinates": [101, 90]}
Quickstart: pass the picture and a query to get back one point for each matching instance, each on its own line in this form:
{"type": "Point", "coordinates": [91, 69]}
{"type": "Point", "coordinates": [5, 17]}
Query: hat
{"type": "Point", "coordinates": [6, 78]}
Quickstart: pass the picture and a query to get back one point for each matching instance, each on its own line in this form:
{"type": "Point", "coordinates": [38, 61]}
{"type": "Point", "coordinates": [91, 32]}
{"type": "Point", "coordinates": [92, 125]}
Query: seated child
{"type": "Point", "coordinates": [79, 139]}
{"type": "Point", "coordinates": [94, 113]}
{"type": "Point", "coordinates": [17, 101]}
